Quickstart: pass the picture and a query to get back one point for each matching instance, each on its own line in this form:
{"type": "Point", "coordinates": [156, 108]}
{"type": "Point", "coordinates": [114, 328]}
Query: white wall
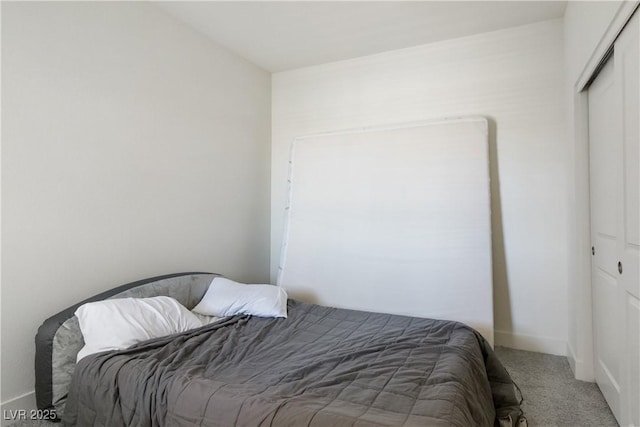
{"type": "Point", "coordinates": [515, 78]}
{"type": "Point", "coordinates": [586, 24]}
{"type": "Point", "coordinates": [132, 146]}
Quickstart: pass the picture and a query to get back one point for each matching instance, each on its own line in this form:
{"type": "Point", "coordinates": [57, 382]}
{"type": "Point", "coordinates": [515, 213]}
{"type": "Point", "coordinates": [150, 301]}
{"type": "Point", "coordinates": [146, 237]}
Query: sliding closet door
{"type": "Point", "coordinates": [604, 151]}
{"type": "Point", "coordinates": [627, 67]}
{"type": "Point", "coordinates": [614, 161]}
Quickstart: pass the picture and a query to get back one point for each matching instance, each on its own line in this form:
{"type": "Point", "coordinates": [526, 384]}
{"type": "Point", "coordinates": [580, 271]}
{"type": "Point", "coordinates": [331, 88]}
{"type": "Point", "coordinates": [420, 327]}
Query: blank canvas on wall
{"type": "Point", "coordinates": [393, 219]}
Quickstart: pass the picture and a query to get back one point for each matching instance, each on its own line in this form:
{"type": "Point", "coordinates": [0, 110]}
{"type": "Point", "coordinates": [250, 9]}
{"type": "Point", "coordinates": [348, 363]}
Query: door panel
{"type": "Point", "coordinates": [614, 138]}
{"type": "Point", "coordinates": [602, 115]}
{"type": "Point", "coordinates": [605, 166]}
{"type": "Point", "coordinates": [607, 369]}
{"type": "Point", "coordinates": [627, 55]}
{"type": "Point", "coordinates": [627, 75]}
{"type": "Point", "coordinates": [633, 361]}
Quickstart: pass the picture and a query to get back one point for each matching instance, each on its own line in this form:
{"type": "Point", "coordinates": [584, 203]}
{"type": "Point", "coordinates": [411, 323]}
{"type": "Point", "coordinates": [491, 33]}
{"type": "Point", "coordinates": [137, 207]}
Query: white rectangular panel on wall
{"type": "Point", "coordinates": [393, 219]}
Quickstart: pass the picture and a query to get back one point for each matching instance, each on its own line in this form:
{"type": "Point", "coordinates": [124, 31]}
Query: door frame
{"type": "Point", "coordinates": [581, 358]}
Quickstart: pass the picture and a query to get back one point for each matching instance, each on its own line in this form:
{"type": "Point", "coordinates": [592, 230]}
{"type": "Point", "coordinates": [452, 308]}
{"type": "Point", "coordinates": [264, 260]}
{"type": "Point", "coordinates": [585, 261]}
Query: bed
{"type": "Point", "coordinates": [320, 366]}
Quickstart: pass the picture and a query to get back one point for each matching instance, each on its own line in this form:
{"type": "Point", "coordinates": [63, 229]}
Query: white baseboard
{"type": "Point", "coordinates": [11, 410]}
{"type": "Point", "coordinates": [580, 370]}
{"type": "Point", "coordinates": [531, 343]}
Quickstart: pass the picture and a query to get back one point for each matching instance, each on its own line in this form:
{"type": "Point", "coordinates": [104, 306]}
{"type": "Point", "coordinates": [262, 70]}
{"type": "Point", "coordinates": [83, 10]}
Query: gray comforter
{"type": "Point", "coordinates": [319, 367]}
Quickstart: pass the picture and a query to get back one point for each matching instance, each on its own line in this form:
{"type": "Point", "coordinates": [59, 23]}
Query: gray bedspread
{"type": "Point", "coordinates": [319, 367]}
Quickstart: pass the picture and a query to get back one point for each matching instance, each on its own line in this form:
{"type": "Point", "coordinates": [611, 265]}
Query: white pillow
{"type": "Point", "coordinates": [116, 324]}
{"type": "Point", "coordinates": [228, 298]}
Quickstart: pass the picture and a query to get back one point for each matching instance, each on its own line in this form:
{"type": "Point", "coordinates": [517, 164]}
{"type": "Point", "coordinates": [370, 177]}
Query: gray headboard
{"type": "Point", "coordinates": [59, 339]}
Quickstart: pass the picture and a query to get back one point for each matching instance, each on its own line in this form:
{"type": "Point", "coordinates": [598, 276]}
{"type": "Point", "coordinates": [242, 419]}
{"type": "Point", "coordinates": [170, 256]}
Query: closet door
{"type": "Point", "coordinates": [627, 68]}
{"type": "Point", "coordinates": [605, 159]}
{"type": "Point", "coordinates": [614, 132]}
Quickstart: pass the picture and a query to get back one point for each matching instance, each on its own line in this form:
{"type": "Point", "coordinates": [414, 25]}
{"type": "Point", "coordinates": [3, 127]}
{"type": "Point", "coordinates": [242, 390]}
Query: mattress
{"type": "Point", "coordinates": [320, 366]}
{"type": "Point", "coordinates": [383, 218]}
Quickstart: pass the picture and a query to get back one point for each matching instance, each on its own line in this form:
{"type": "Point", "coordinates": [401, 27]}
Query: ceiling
{"type": "Point", "coordinates": [285, 35]}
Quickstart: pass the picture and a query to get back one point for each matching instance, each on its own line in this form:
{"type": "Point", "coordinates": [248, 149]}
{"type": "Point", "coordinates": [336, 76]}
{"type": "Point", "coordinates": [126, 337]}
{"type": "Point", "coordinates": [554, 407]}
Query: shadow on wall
{"type": "Point", "coordinates": [501, 297]}
{"type": "Point", "coordinates": [305, 296]}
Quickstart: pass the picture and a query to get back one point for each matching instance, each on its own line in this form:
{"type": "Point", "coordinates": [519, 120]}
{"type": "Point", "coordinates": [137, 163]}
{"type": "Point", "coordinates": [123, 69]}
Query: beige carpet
{"type": "Point", "coordinates": [552, 397]}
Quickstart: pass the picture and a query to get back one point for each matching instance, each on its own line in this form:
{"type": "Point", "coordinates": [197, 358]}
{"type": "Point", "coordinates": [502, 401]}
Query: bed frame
{"type": "Point", "coordinates": [59, 339]}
